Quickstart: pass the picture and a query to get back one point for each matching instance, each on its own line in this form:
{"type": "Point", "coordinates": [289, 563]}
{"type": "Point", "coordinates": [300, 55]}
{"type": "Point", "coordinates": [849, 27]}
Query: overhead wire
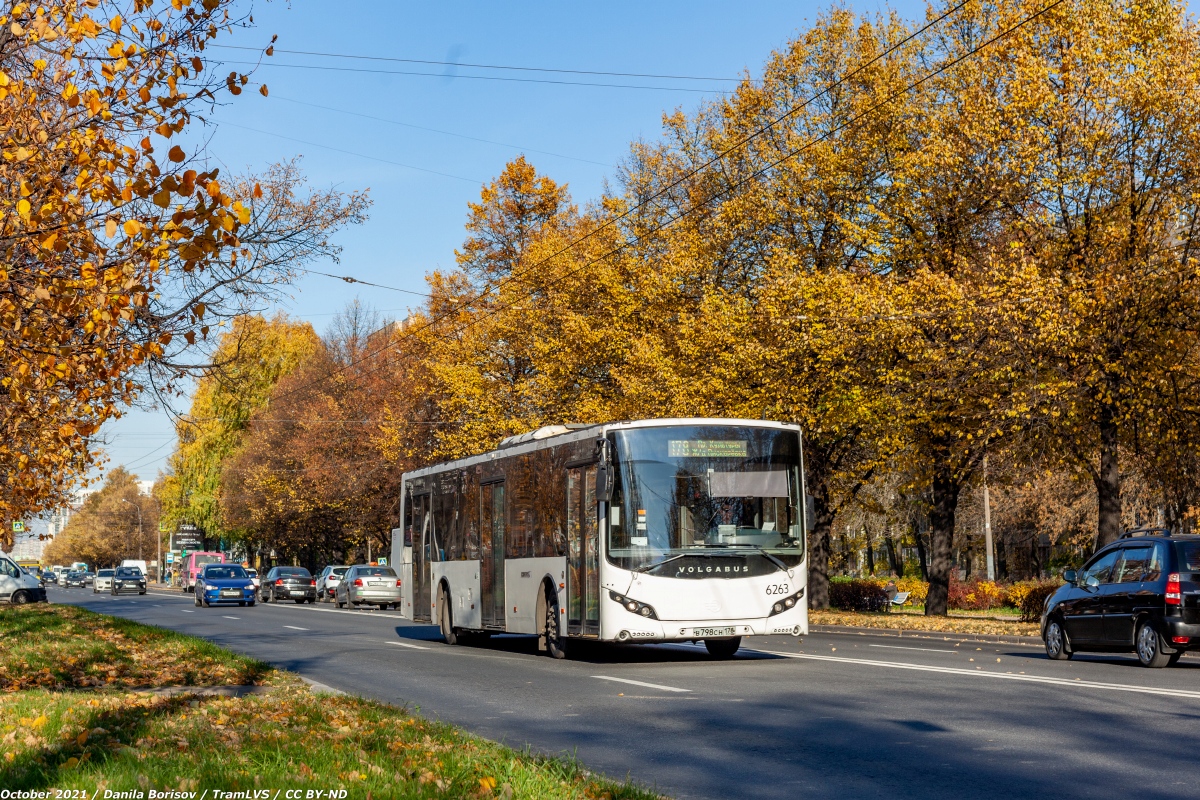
{"type": "Point", "coordinates": [351, 279]}
{"type": "Point", "coordinates": [476, 66]}
{"type": "Point", "coordinates": [500, 78]}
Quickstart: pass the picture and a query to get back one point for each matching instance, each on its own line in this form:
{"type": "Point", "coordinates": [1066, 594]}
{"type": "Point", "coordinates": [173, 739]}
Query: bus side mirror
{"type": "Point", "coordinates": [810, 512]}
{"type": "Point", "coordinates": [604, 482]}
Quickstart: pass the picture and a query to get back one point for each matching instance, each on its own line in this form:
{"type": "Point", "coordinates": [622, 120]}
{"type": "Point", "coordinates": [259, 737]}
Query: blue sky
{"type": "Point", "coordinates": [417, 218]}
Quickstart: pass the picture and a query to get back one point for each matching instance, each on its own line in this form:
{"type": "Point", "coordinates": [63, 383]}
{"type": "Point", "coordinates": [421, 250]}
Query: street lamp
{"type": "Point", "coordinates": [139, 513]}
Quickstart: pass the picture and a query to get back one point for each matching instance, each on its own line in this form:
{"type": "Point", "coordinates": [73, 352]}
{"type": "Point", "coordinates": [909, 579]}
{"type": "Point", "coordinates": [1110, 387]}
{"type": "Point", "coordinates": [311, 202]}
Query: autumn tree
{"type": "Point", "coordinates": [1113, 221]}
{"type": "Point", "coordinates": [105, 529]}
{"type": "Point", "coordinates": [480, 332]}
{"type": "Point", "coordinates": [105, 218]}
{"type": "Point", "coordinates": [250, 359]}
{"type": "Point", "coordinates": [312, 480]}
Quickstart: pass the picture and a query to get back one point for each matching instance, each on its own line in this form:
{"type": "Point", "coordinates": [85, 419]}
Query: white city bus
{"type": "Point", "coordinates": [675, 530]}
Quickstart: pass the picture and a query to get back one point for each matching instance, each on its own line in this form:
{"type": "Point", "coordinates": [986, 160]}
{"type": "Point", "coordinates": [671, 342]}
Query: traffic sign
{"type": "Point", "coordinates": [170, 558]}
{"type": "Point", "coordinates": [18, 526]}
{"type": "Point", "coordinates": [383, 562]}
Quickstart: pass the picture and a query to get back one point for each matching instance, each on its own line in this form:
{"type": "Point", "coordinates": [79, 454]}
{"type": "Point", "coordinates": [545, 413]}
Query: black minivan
{"type": "Point", "coordinates": [1140, 593]}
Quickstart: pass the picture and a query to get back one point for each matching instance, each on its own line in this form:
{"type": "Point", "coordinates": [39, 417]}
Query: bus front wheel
{"type": "Point", "coordinates": [723, 648]}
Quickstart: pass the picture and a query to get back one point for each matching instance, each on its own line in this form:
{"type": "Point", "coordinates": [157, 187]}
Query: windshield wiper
{"type": "Point", "coordinates": [667, 560]}
{"type": "Point", "coordinates": [772, 558]}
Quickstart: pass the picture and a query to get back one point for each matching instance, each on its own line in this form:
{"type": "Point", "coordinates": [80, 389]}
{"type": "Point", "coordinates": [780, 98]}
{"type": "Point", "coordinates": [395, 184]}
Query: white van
{"type": "Point", "coordinates": [18, 586]}
{"type": "Point", "coordinates": [133, 562]}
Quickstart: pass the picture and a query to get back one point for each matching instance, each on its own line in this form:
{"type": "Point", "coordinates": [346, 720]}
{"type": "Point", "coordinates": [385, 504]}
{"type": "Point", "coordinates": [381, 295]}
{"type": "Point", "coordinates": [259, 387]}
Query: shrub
{"type": "Point", "coordinates": [918, 589]}
{"type": "Point", "coordinates": [1018, 591]}
{"type": "Point", "coordinates": [976, 595]}
{"type": "Point", "coordinates": [857, 595]}
{"type": "Point", "coordinates": [1034, 599]}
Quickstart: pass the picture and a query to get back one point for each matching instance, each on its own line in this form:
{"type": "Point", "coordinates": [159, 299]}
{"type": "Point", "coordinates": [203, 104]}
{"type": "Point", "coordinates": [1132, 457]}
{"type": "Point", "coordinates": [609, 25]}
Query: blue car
{"type": "Point", "coordinates": [224, 583]}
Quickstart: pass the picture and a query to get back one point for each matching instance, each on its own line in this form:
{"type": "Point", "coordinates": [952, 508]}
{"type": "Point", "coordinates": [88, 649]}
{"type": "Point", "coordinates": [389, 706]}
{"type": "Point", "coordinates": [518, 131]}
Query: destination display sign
{"type": "Point", "coordinates": [706, 448]}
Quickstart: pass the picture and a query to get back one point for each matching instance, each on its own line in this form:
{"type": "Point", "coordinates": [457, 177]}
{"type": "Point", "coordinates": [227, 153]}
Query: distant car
{"type": "Point", "coordinates": [364, 585]}
{"type": "Point", "coordinates": [75, 579]}
{"type": "Point", "coordinates": [224, 583]}
{"type": "Point", "coordinates": [50, 576]}
{"type": "Point", "coordinates": [253, 573]}
{"type": "Point", "coordinates": [289, 583]}
{"type": "Point", "coordinates": [103, 581]}
{"type": "Point", "coordinates": [1140, 594]}
{"type": "Point", "coordinates": [89, 578]}
{"type": "Point", "coordinates": [128, 579]}
{"type": "Point", "coordinates": [328, 580]}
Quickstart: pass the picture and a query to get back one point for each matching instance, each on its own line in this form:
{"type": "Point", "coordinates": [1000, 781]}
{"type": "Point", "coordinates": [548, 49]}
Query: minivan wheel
{"type": "Point", "coordinates": [20, 598]}
{"type": "Point", "coordinates": [1056, 642]}
{"type": "Point", "coordinates": [1149, 647]}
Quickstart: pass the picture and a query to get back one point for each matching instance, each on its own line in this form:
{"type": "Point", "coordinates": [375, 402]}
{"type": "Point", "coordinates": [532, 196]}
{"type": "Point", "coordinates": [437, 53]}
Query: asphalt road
{"type": "Point", "coordinates": [831, 715]}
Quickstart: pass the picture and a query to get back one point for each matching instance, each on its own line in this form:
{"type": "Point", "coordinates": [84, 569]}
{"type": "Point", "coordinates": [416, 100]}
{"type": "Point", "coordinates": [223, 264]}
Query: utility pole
{"type": "Point", "coordinates": [987, 525]}
{"type": "Point", "coordinates": [158, 567]}
{"type": "Point", "coordinates": [139, 513]}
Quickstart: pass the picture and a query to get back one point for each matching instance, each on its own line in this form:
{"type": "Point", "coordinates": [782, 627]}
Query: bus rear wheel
{"type": "Point", "coordinates": [556, 646]}
{"type": "Point", "coordinates": [445, 620]}
{"type": "Point", "coordinates": [723, 648]}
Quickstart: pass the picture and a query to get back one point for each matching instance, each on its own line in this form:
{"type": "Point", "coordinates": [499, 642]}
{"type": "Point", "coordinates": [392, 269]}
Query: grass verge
{"type": "Point", "coordinates": [70, 719]}
{"type": "Point", "coordinates": [920, 622]}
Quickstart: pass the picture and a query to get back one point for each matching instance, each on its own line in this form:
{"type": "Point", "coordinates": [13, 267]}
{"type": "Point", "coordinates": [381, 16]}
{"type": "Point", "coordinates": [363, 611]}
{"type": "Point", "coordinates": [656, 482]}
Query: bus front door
{"type": "Point", "coordinates": [583, 553]}
{"type": "Point", "coordinates": [422, 542]}
{"type": "Point", "coordinates": [491, 531]}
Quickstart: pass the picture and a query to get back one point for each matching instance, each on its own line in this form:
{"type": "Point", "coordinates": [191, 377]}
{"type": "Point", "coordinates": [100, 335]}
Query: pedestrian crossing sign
{"type": "Point", "coordinates": [18, 527]}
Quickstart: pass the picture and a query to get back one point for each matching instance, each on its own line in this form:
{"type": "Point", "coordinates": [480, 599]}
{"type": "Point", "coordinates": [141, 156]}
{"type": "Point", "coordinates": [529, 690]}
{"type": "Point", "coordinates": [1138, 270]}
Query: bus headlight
{"type": "Point", "coordinates": [634, 606]}
{"type": "Point", "coordinates": [786, 603]}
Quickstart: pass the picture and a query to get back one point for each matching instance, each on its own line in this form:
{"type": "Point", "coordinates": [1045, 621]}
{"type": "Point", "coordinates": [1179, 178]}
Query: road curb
{"type": "Point", "coordinates": [901, 633]}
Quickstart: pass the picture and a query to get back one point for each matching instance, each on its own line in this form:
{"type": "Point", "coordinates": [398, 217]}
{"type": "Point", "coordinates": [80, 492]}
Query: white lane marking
{"type": "Point", "coordinates": [406, 644]}
{"type": "Point", "coordinates": [922, 649]}
{"type": "Point", "coordinates": [369, 613]}
{"type": "Point", "coordinates": [229, 617]}
{"type": "Point", "coordinates": [188, 610]}
{"type": "Point", "coordinates": [293, 627]}
{"type": "Point", "coordinates": [641, 683]}
{"type": "Point", "coordinates": [1112, 687]}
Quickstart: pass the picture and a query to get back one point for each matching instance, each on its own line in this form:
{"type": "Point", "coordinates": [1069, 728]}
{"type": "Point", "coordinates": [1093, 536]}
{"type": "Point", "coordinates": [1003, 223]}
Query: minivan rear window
{"type": "Point", "coordinates": [1189, 556]}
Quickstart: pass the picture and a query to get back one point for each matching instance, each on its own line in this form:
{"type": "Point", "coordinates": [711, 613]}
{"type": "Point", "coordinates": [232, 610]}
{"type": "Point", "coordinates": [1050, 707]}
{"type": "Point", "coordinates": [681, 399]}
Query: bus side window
{"type": "Point", "coordinates": [408, 519]}
{"type": "Point", "coordinates": [470, 517]}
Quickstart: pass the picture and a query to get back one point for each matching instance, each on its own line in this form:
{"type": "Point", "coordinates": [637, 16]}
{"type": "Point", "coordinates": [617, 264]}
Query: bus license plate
{"type": "Point", "coordinates": [705, 632]}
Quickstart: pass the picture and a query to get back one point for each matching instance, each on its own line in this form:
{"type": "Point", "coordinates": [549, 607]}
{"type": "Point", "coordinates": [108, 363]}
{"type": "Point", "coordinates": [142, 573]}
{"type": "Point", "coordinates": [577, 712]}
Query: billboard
{"type": "Point", "coordinates": [187, 537]}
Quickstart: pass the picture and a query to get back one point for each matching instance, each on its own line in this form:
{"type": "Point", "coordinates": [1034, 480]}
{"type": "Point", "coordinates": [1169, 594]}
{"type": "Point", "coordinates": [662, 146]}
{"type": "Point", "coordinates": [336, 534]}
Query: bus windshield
{"type": "Point", "coordinates": [712, 490]}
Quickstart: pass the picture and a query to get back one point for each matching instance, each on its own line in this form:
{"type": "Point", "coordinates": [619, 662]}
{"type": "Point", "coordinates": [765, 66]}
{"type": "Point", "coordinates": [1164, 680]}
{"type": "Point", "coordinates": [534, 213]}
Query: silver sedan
{"type": "Point", "coordinates": [103, 581]}
{"type": "Point", "coordinates": [364, 585]}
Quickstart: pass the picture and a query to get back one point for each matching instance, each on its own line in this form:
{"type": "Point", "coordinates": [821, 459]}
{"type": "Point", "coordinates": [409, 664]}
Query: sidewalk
{"type": "Point", "coordinates": [1032, 641]}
